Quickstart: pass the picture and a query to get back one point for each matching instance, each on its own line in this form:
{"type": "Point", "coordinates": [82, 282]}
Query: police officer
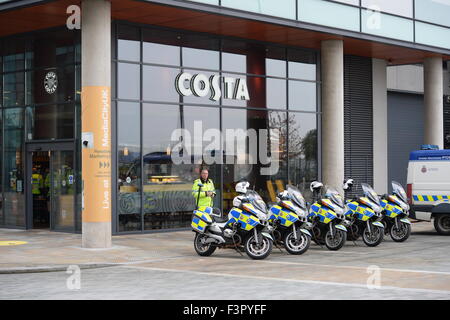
{"type": "Point", "coordinates": [37, 182]}
{"type": "Point", "coordinates": [203, 195]}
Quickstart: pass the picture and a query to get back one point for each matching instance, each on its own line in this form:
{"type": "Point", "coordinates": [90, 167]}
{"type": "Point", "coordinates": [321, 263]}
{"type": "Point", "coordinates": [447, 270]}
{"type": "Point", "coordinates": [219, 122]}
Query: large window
{"type": "Point", "coordinates": [420, 21]}
{"type": "Point", "coordinates": [40, 83]}
{"type": "Point", "coordinates": [245, 111]}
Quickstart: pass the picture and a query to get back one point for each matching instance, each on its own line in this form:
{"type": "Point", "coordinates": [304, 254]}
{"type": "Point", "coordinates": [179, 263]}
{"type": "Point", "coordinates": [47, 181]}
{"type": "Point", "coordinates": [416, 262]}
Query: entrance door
{"type": "Point", "coordinates": [51, 193]}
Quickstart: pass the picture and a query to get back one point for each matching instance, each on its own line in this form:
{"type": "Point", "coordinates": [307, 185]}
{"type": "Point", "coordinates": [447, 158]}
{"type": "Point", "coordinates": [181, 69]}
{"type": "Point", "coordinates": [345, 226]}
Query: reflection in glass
{"type": "Point", "coordinates": [284, 9]}
{"type": "Point", "coordinates": [303, 146]}
{"type": "Point", "coordinates": [158, 84]}
{"type": "Point", "coordinates": [200, 58]}
{"type": "Point", "coordinates": [432, 35]}
{"type": "Point", "coordinates": [433, 11]}
{"type": "Point", "coordinates": [255, 150]}
{"type": "Point", "coordinates": [168, 201]}
{"type": "Point", "coordinates": [398, 7]}
{"type": "Point", "coordinates": [50, 122]}
{"type": "Point", "coordinates": [161, 54]}
{"type": "Point", "coordinates": [233, 62]}
{"type": "Point", "coordinates": [276, 93]}
{"type": "Point", "coordinates": [63, 190]}
{"type": "Point", "coordinates": [129, 81]}
{"type": "Point", "coordinates": [129, 166]}
{"type": "Point", "coordinates": [389, 26]}
{"type": "Point", "coordinates": [2, 220]}
{"type": "Point", "coordinates": [302, 96]}
{"type": "Point", "coordinates": [14, 89]}
{"type": "Point", "coordinates": [276, 68]}
{"type": "Point", "coordinates": [128, 44]}
{"type": "Point", "coordinates": [329, 14]}
{"type": "Point", "coordinates": [302, 64]}
{"type": "Point", "coordinates": [14, 168]}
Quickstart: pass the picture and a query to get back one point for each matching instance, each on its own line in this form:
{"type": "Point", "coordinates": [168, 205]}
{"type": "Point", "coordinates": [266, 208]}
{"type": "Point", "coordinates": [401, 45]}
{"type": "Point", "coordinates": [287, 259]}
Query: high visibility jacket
{"type": "Point", "coordinates": [37, 183]}
{"type": "Point", "coordinates": [200, 193]}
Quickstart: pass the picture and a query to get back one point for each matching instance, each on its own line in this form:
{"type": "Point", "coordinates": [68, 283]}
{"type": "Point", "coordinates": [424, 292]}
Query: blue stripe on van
{"type": "Point", "coordinates": [430, 155]}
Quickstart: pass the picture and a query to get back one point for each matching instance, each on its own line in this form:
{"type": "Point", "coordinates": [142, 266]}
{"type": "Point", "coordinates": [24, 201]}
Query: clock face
{"type": "Point", "coordinates": [50, 82]}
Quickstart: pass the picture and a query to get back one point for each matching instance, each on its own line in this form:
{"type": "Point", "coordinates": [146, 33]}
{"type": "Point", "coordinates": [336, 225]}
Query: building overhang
{"type": "Point", "coordinates": [31, 15]}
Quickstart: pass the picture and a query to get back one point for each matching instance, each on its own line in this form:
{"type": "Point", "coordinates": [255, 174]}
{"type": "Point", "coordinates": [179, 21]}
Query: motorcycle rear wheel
{"type": "Point", "coordinates": [202, 249]}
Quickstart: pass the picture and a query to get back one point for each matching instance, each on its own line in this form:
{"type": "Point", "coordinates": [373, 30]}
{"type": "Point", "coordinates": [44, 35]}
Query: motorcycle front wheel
{"type": "Point", "coordinates": [296, 246]}
{"type": "Point", "coordinates": [257, 249]}
{"type": "Point", "coordinates": [400, 234]}
{"type": "Point", "coordinates": [374, 238]}
{"type": "Point", "coordinates": [337, 242]}
{"type": "Point", "coordinates": [203, 249]}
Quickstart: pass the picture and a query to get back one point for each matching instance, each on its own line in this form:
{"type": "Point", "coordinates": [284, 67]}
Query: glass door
{"type": "Point", "coordinates": [62, 199]}
{"type": "Point", "coordinates": [52, 189]}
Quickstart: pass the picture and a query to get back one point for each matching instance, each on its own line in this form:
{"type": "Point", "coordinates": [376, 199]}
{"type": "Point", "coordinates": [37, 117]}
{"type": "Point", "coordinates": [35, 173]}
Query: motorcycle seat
{"type": "Point", "coordinates": [219, 219]}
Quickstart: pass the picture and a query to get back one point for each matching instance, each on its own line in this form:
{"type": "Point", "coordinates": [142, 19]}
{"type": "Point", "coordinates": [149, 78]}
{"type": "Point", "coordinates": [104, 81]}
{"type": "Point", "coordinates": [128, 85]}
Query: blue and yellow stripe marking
{"type": "Point", "coordinates": [428, 198]}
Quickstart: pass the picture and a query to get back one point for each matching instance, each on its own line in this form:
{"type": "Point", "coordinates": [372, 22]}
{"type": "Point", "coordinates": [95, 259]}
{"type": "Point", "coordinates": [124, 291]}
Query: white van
{"type": "Point", "coordinates": [428, 187]}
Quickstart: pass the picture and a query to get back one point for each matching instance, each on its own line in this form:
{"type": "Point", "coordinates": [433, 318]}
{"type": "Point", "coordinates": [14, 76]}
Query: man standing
{"type": "Point", "coordinates": [203, 194]}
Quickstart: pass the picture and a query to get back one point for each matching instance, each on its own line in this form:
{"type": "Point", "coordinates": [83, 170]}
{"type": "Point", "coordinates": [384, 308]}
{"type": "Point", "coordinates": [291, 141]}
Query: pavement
{"type": "Point", "coordinates": [165, 266]}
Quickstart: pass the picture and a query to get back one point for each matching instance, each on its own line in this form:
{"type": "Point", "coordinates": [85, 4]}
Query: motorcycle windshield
{"type": "Point", "coordinates": [370, 193]}
{"type": "Point", "coordinates": [296, 196]}
{"type": "Point", "coordinates": [334, 196]}
{"type": "Point", "coordinates": [255, 199]}
{"type": "Point", "coordinates": [398, 190]}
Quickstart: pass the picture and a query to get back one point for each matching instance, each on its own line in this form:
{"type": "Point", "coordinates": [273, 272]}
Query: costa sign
{"type": "Point", "coordinates": [200, 85]}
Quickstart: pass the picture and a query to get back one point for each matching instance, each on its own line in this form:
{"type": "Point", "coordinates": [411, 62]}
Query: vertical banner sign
{"type": "Point", "coordinates": [96, 154]}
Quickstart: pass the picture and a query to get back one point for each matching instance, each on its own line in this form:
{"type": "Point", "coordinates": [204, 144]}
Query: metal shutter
{"type": "Point", "coordinates": [358, 121]}
{"type": "Point", "coordinates": [405, 132]}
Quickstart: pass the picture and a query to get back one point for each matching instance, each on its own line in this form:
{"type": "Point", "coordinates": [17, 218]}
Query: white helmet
{"type": "Point", "coordinates": [348, 184]}
{"type": "Point", "coordinates": [241, 187]}
{"type": "Point", "coordinates": [315, 186]}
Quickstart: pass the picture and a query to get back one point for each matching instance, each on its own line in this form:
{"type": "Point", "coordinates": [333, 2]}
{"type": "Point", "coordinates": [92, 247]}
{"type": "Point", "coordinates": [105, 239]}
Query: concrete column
{"type": "Point", "coordinates": [96, 123]}
{"type": "Point", "coordinates": [332, 64]}
{"type": "Point", "coordinates": [380, 126]}
{"type": "Point", "coordinates": [434, 107]}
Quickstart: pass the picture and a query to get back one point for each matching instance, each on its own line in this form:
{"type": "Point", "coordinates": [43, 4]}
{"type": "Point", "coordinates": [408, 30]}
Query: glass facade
{"type": "Point", "coordinates": [261, 126]}
{"type": "Point", "coordinates": [39, 103]}
{"type": "Point", "coordinates": [421, 21]}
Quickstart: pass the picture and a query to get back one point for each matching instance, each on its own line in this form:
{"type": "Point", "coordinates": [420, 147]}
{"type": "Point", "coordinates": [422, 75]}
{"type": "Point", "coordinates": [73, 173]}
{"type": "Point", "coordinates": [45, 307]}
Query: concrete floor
{"type": "Point", "coordinates": [165, 266]}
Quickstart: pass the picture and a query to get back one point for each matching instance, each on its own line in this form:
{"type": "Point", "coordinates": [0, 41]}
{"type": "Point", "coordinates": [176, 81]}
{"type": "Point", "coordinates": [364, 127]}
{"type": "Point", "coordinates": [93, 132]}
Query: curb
{"type": "Point", "coordinates": [59, 268]}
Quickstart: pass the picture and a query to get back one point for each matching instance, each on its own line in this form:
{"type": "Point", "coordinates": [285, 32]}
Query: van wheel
{"type": "Point", "coordinates": [442, 224]}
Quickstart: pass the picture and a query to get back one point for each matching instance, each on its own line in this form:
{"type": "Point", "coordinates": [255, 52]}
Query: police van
{"type": "Point", "coordinates": [428, 187]}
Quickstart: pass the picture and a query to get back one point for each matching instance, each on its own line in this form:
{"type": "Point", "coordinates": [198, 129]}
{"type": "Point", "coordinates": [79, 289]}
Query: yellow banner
{"type": "Point", "coordinates": [96, 153]}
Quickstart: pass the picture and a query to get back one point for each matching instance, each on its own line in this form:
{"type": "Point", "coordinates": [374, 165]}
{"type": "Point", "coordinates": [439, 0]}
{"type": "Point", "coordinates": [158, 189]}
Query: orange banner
{"type": "Point", "coordinates": [96, 153]}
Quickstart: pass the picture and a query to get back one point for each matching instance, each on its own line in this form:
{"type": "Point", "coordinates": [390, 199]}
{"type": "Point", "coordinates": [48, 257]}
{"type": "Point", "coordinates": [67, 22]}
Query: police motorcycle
{"type": "Point", "coordinates": [327, 215]}
{"type": "Point", "coordinates": [246, 227]}
{"type": "Point", "coordinates": [364, 215]}
{"type": "Point", "coordinates": [288, 217]}
{"type": "Point", "coordinates": [395, 213]}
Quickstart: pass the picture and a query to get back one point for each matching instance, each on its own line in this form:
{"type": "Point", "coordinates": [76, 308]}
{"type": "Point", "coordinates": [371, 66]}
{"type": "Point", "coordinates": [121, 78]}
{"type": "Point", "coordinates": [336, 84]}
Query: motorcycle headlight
{"type": "Point", "coordinates": [339, 211]}
{"type": "Point", "coordinates": [300, 212]}
{"type": "Point", "coordinates": [404, 206]}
